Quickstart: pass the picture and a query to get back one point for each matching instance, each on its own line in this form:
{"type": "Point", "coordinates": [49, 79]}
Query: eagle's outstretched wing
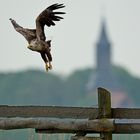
{"type": "Point", "coordinates": [29, 34]}
{"type": "Point", "coordinates": [47, 17]}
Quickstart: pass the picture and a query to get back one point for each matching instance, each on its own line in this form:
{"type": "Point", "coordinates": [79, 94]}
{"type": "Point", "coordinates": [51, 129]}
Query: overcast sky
{"type": "Point", "coordinates": [75, 37]}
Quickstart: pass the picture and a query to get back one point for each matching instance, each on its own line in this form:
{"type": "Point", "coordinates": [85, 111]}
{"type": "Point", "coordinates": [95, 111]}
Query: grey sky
{"type": "Point", "coordinates": [74, 38]}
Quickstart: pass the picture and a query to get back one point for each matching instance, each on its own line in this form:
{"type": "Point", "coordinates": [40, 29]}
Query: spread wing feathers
{"type": "Point", "coordinates": [47, 17]}
{"type": "Point", "coordinates": [29, 34]}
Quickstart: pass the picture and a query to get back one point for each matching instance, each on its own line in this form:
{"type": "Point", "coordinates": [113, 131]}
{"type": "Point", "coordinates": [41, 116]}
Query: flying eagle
{"type": "Point", "coordinates": [36, 37]}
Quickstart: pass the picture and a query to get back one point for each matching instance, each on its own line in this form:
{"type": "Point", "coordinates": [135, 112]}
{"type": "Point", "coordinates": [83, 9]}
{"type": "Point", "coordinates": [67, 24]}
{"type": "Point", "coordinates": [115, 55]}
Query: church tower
{"type": "Point", "coordinates": [104, 75]}
{"type": "Point", "coordinates": [103, 51]}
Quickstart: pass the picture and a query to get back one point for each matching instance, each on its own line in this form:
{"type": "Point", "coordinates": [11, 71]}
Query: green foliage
{"type": "Point", "coordinates": [75, 86]}
{"type": "Point", "coordinates": [129, 83]}
{"type": "Point", "coordinates": [29, 87]}
{"type": "Point", "coordinates": [34, 87]}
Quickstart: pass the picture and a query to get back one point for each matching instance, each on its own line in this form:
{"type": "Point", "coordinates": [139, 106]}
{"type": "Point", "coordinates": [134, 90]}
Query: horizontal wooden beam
{"type": "Point", "coordinates": [126, 113]}
{"type": "Point", "coordinates": [127, 128]}
{"type": "Point", "coordinates": [43, 125]}
{"type": "Point", "coordinates": [70, 126]}
{"type": "Point", "coordinates": [65, 112]}
{"type": "Point", "coordinates": [119, 129]}
{"type": "Point", "coordinates": [48, 111]}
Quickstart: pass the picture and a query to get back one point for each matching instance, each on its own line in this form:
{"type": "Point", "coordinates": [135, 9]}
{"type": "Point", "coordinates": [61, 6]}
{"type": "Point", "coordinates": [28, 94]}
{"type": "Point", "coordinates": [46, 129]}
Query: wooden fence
{"type": "Point", "coordinates": [77, 120]}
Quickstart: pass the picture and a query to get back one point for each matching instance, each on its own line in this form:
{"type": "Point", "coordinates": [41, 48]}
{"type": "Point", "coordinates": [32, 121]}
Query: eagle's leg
{"type": "Point", "coordinates": [46, 61]}
{"type": "Point", "coordinates": [49, 56]}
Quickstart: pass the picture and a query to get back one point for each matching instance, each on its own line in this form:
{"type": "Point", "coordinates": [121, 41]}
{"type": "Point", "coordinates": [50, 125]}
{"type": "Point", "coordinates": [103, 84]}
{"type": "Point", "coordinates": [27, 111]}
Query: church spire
{"type": "Point", "coordinates": [103, 50]}
{"type": "Point", "coordinates": [103, 33]}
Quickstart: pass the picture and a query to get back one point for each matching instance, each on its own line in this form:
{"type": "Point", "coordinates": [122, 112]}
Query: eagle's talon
{"type": "Point", "coordinates": [50, 66]}
{"type": "Point", "coordinates": [47, 67]}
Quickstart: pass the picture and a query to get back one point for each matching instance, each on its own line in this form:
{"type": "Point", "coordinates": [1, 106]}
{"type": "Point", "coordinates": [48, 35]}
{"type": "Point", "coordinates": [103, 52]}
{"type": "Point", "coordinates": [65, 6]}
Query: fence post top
{"type": "Point", "coordinates": [100, 89]}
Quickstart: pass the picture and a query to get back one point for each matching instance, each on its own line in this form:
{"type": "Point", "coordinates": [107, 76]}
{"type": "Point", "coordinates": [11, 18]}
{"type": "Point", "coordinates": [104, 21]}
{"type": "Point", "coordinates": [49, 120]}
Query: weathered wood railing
{"type": "Point", "coordinates": [80, 121]}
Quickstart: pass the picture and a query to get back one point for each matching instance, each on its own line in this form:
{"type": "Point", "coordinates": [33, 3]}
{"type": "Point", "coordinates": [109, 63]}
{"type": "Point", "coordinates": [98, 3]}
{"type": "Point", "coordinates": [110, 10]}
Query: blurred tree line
{"type": "Point", "coordinates": [35, 87]}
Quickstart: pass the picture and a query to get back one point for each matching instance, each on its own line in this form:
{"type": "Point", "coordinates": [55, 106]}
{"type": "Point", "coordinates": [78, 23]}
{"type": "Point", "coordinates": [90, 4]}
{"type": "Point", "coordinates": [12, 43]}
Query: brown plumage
{"type": "Point", "coordinates": [36, 37]}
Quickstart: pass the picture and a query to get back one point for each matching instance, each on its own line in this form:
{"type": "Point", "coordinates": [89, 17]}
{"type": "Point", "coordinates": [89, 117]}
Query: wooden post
{"type": "Point", "coordinates": [104, 107]}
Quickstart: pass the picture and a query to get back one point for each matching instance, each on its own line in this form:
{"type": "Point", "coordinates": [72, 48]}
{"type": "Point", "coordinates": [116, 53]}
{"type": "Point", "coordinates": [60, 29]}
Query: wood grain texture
{"type": "Point", "coordinates": [104, 105]}
{"type": "Point", "coordinates": [70, 126]}
{"type": "Point", "coordinates": [65, 112]}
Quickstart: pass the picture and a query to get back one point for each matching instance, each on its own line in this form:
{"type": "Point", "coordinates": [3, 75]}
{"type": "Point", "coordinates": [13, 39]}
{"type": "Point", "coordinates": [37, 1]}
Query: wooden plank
{"type": "Point", "coordinates": [104, 105]}
{"type": "Point", "coordinates": [57, 125]}
{"type": "Point", "coordinates": [48, 111]}
{"type": "Point", "coordinates": [85, 138]}
{"type": "Point", "coordinates": [90, 126]}
{"type": "Point", "coordinates": [126, 113]}
{"type": "Point", "coordinates": [127, 128]}
{"type": "Point", "coordinates": [123, 128]}
{"type": "Point", "coordinates": [65, 112]}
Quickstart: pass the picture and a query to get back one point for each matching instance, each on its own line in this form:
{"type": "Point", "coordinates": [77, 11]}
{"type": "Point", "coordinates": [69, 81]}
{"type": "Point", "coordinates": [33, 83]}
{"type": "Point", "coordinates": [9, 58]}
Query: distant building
{"type": "Point", "coordinates": [104, 76]}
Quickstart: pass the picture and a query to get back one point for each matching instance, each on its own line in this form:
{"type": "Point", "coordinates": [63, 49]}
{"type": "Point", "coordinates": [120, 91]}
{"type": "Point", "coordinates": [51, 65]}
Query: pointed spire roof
{"type": "Point", "coordinates": [103, 36]}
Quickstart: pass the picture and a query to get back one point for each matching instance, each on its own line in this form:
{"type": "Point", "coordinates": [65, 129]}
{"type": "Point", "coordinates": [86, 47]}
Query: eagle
{"type": "Point", "coordinates": [36, 37]}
